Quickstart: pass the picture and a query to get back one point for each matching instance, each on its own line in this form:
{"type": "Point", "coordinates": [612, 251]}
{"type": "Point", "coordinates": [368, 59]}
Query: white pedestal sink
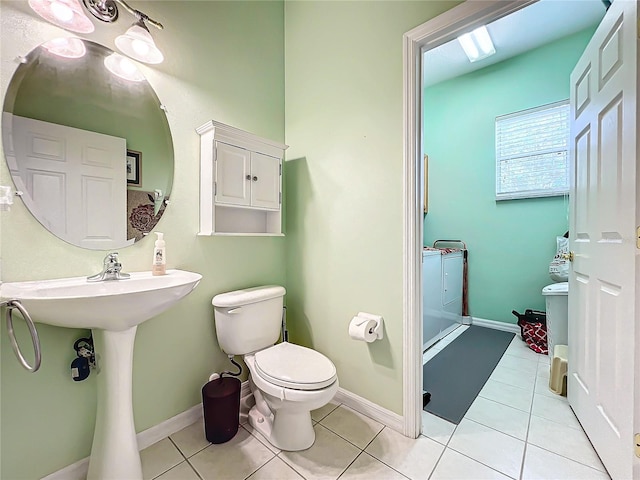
{"type": "Point", "coordinates": [112, 310]}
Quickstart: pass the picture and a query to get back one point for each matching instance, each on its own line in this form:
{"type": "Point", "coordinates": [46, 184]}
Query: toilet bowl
{"type": "Point", "coordinates": [292, 381]}
{"type": "Point", "coordinates": [287, 380]}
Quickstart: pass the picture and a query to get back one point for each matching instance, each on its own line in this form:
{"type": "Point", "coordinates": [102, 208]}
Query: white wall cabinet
{"type": "Point", "coordinates": [240, 182]}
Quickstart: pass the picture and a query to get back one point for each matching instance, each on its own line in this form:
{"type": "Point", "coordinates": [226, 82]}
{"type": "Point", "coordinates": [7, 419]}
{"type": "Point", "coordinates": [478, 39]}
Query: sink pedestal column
{"type": "Point", "coordinates": [114, 453]}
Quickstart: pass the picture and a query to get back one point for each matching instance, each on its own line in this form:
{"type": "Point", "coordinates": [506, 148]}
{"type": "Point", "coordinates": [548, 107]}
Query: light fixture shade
{"type": "Point", "coordinates": [123, 67]}
{"type": "Point", "coordinates": [66, 47]}
{"type": "Point", "coordinates": [477, 44]}
{"type": "Point", "coordinates": [67, 14]}
{"type": "Point", "coordinates": [138, 44]}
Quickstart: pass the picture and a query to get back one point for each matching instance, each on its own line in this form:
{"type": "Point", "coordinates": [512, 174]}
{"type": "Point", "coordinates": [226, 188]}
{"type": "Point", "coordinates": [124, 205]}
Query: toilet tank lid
{"type": "Point", "coordinates": [248, 295]}
{"type": "Point", "coordinates": [561, 288]}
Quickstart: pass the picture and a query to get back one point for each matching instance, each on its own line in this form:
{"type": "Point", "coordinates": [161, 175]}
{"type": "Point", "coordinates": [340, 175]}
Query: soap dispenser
{"type": "Point", "coordinates": [159, 266]}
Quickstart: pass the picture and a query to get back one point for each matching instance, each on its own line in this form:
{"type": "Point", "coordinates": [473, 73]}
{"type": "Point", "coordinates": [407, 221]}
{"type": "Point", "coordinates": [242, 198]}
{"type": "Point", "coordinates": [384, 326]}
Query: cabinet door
{"type": "Point", "coordinates": [265, 181]}
{"type": "Point", "coordinates": [233, 180]}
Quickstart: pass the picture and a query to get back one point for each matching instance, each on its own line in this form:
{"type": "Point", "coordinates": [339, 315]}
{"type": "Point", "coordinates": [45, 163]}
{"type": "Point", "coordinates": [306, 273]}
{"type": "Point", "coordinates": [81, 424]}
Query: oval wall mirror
{"type": "Point", "coordinates": [88, 144]}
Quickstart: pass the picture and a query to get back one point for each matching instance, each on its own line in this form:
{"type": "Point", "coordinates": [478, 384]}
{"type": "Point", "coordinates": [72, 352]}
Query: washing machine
{"type": "Point", "coordinates": [442, 277]}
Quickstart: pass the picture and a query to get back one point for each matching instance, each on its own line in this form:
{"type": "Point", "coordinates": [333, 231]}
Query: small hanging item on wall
{"type": "Point", "coordinates": [81, 366]}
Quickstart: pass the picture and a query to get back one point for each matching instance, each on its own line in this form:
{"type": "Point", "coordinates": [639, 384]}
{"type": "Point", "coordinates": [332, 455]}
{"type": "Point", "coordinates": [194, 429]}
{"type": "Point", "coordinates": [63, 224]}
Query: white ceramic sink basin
{"type": "Point", "coordinates": [113, 309]}
{"type": "Point", "coordinates": [107, 305]}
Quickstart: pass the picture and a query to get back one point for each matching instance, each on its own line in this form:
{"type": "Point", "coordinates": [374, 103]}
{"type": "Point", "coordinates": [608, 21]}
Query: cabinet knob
{"type": "Point", "coordinates": [255, 179]}
{"type": "Point", "coordinates": [248, 177]}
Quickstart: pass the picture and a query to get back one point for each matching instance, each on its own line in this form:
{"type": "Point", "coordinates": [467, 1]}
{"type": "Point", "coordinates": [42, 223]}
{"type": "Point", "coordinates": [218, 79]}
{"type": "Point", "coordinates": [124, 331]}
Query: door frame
{"type": "Point", "coordinates": [435, 32]}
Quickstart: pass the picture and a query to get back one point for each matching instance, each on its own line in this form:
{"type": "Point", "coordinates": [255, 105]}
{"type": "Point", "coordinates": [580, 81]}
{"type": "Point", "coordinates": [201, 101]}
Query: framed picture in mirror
{"type": "Point", "coordinates": [133, 168]}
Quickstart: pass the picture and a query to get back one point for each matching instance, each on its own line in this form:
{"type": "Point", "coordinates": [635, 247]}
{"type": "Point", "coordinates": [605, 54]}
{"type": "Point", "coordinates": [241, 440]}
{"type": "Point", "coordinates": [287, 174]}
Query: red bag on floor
{"type": "Point", "coordinates": [533, 330]}
{"type": "Point", "coordinates": [535, 335]}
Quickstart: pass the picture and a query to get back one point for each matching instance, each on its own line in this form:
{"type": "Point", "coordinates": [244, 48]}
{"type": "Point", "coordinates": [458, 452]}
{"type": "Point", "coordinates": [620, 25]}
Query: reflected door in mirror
{"type": "Point", "coordinates": [78, 179]}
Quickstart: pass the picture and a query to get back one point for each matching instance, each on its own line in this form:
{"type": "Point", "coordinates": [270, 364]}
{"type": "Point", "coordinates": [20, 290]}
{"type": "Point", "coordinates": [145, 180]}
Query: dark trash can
{"type": "Point", "coordinates": [221, 405]}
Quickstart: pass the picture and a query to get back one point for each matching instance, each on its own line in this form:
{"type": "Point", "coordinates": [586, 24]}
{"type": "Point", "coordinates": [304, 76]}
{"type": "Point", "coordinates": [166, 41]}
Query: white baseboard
{"type": "Point", "coordinates": [371, 410]}
{"type": "Point", "coordinates": [154, 434]}
{"type": "Point", "coordinates": [496, 325]}
{"type": "Point", "coordinates": [75, 471]}
{"type": "Point", "coordinates": [146, 438]}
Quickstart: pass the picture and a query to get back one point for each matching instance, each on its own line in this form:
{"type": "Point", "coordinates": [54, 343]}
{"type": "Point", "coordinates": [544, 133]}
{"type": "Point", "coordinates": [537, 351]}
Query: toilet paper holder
{"type": "Point", "coordinates": [379, 327]}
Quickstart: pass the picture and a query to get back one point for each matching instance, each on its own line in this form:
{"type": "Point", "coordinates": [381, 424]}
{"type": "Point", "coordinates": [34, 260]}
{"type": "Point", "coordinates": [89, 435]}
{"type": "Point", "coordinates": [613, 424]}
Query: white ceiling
{"type": "Point", "coordinates": [528, 28]}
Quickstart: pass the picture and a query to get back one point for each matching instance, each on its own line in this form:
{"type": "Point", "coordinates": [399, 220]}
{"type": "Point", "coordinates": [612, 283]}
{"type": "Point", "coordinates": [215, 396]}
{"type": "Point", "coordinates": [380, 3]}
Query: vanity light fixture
{"type": "Point", "coordinates": [123, 67]}
{"type": "Point", "coordinates": [66, 47]}
{"type": "Point", "coordinates": [67, 14]}
{"type": "Point", "coordinates": [477, 44]}
{"type": "Point", "coordinates": [136, 42]}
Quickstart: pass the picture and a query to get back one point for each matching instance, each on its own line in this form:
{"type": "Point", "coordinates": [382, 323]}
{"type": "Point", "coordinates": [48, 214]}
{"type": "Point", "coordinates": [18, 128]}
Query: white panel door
{"type": "Point", "coordinates": [76, 180]}
{"type": "Point", "coordinates": [233, 179]}
{"type": "Point", "coordinates": [602, 283]}
{"type": "Point", "coordinates": [265, 181]}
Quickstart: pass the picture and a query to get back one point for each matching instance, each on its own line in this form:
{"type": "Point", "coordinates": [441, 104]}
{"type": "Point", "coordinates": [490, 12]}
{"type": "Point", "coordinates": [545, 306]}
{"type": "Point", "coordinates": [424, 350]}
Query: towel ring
{"type": "Point", "coordinates": [35, 340]}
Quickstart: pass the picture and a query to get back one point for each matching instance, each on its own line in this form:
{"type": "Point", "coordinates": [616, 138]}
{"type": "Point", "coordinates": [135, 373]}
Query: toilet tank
{"type": "Point", "coordinates": [248, 320]}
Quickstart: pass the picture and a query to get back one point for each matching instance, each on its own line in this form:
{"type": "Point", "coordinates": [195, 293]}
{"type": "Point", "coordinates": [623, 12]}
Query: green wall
{"type": "Point", "coordinates": [224, 61]}
{"type": "Point", "coordinates": [343, 199]}
{"type": "Point", "coordinates": [344, 182]}
{"type": "Point", "coordinates": [510, 242]}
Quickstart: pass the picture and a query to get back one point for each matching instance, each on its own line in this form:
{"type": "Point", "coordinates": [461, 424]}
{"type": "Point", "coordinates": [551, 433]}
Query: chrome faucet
{"type": "Point", "coordinates": [111, 271]}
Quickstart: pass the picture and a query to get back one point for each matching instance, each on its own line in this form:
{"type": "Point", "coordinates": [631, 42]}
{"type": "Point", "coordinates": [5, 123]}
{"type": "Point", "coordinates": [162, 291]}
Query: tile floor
{"type": "Point", "coordinates": [516, 428]}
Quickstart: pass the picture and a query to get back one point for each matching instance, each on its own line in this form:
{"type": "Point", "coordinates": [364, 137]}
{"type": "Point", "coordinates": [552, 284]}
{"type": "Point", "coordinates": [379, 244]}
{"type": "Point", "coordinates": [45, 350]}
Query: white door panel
{"type": "Point", "coordinates": [62, 165]}
{"type": "Point", "coordinates": [602, 312]}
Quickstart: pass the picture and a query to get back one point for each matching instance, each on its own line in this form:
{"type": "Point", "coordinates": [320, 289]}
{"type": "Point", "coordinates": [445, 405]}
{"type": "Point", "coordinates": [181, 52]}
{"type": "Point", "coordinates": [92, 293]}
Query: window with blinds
{"type": "Point", "coordinates": [532, 152]}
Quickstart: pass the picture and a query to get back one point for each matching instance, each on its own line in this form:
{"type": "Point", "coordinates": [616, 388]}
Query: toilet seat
{"type": "Point", "coordinates": [296, 367]}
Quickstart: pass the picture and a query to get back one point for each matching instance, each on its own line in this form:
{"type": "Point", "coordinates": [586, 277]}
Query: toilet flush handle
{"type": "Point", "coordinates": [234, 310]}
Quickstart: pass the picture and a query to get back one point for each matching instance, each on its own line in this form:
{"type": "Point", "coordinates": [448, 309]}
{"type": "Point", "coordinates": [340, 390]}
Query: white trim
{"type": "Point", "coordinates": [154, 434]}
{"type": "Point", "coordinates": [75, 471]}
{"type": "Point", "coordinates": [146, 438]}
{"type": "Point", "coordinates": [240, 138]}
{"type": "Point", "coordinates": [370, 409]}
{"type": "Point", "coordinates": [439, 30]}
{"type": "Point", "coordinates": [495, 324]}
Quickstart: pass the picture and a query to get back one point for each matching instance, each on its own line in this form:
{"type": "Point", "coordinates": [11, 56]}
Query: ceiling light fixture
{"type": "Point", "coordinates": [67, 14]}
{"type": "Point", "coordinates": [477, 44]}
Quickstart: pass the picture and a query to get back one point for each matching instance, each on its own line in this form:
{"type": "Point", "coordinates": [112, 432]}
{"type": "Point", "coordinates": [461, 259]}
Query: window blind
{"type": "Point", "coordinates": [532, 152]}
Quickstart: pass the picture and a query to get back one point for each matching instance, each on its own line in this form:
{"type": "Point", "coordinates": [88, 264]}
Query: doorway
{"type": "Point", "coordinates": [428, 36]}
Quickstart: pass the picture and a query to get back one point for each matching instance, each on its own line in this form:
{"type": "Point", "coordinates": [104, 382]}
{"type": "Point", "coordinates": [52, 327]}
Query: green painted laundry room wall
{"type": "Point", "coordinates": [510, 242]}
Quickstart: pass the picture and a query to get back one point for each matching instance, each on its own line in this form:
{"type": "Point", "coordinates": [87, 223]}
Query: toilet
{"type": "Point", "coordinates": [287, 380]}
